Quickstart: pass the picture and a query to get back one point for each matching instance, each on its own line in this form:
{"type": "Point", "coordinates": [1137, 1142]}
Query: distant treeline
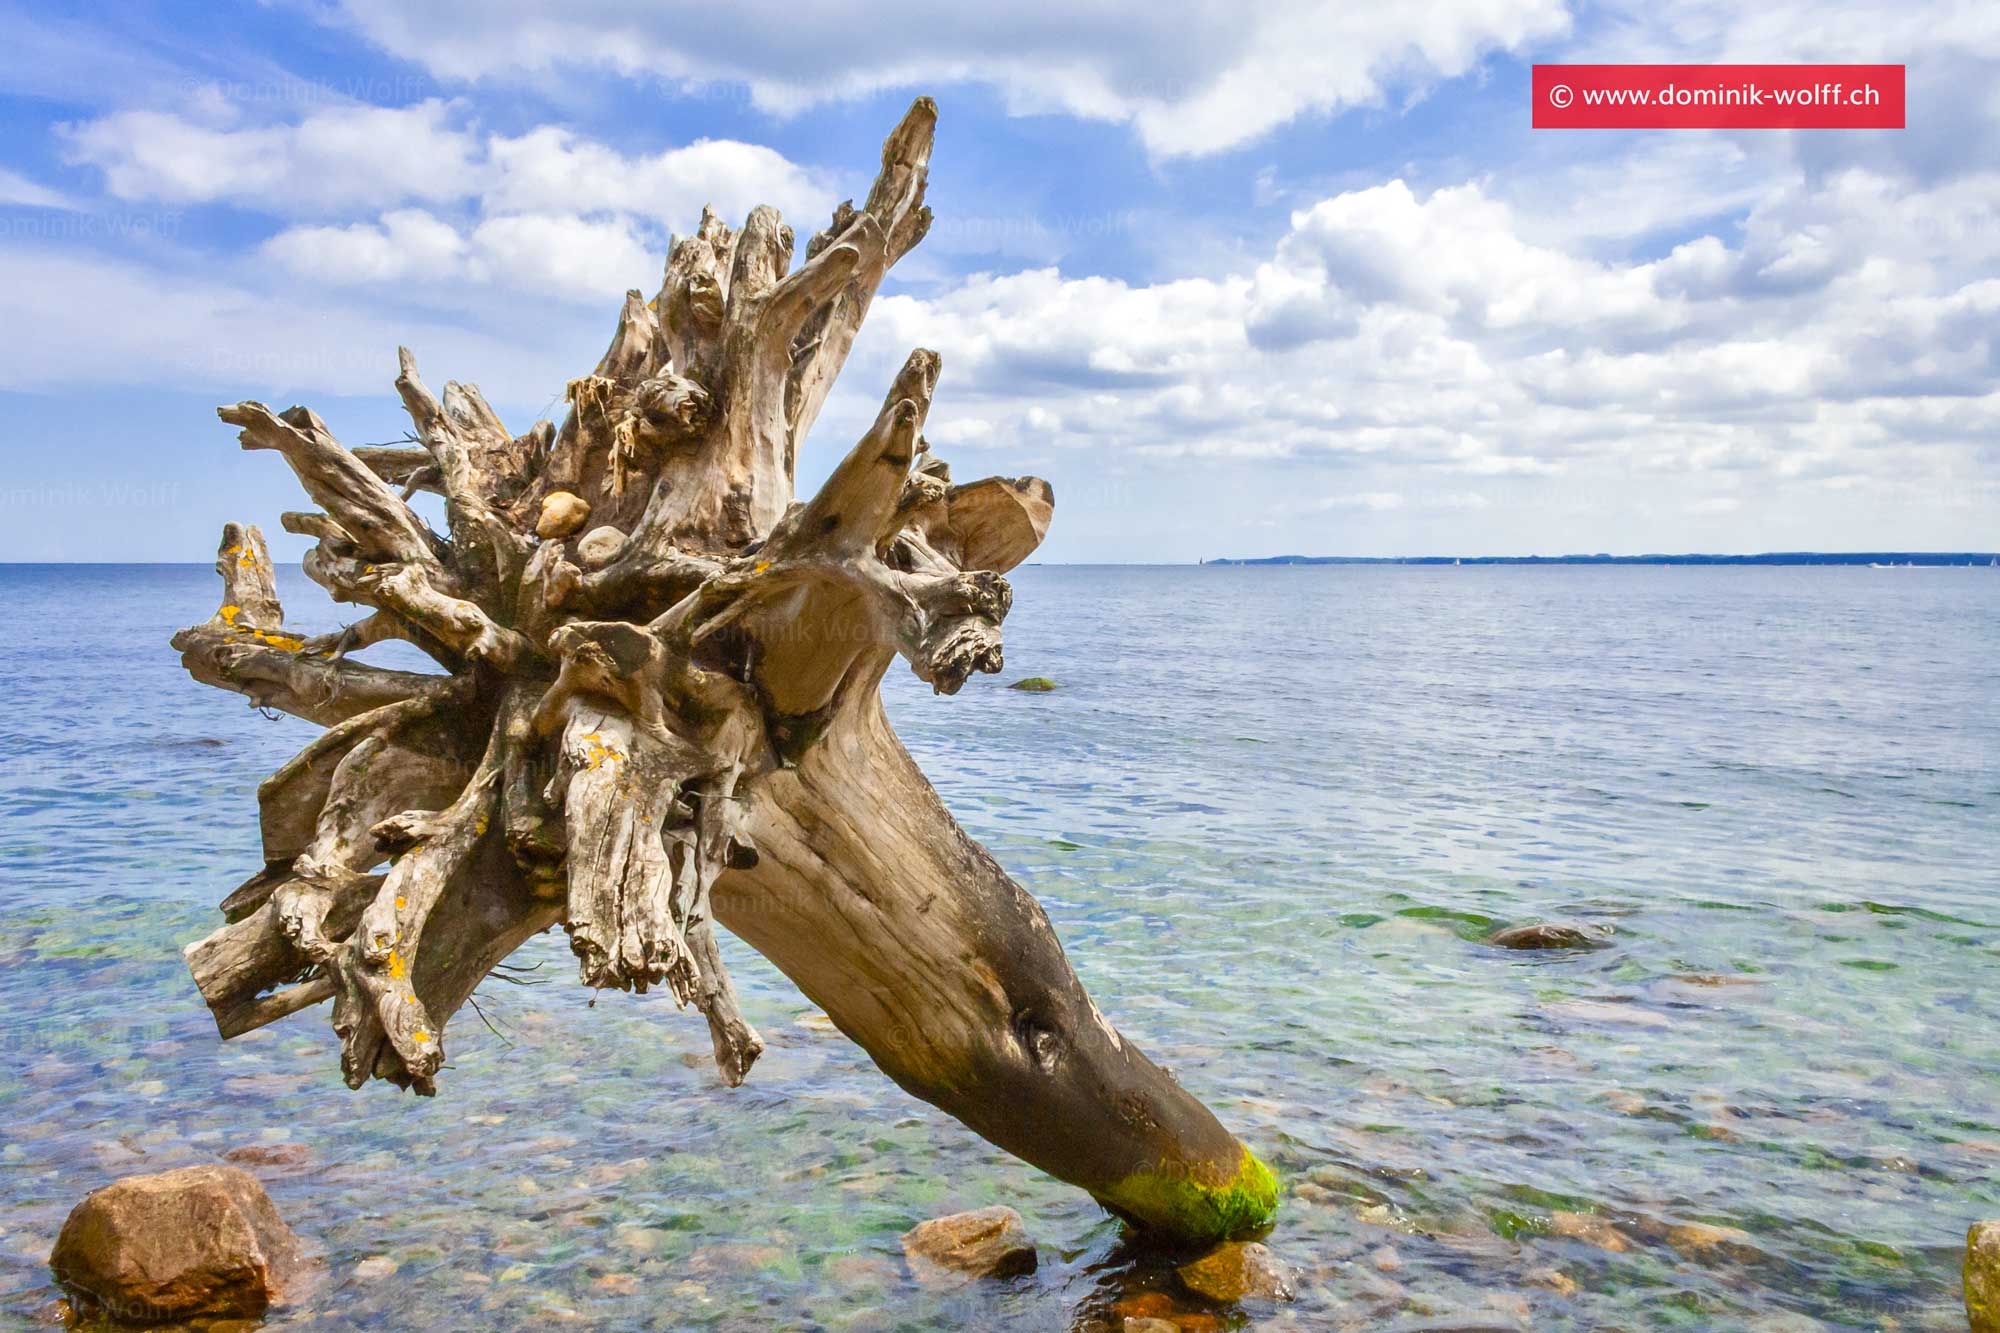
{"type": "Point", "coordinates": [1917, 558]}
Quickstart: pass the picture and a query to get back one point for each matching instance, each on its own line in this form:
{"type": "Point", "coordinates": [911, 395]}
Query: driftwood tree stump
{"type": "Point", "coordinates": [658, 708]}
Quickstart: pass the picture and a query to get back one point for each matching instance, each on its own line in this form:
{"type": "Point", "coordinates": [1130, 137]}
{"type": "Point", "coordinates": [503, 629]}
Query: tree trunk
{"type": "Point", "coordinates": [658, 707]}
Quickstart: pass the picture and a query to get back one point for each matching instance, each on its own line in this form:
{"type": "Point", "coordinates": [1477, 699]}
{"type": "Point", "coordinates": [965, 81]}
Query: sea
{"type": "Point", "coordinates": [1274, 814]}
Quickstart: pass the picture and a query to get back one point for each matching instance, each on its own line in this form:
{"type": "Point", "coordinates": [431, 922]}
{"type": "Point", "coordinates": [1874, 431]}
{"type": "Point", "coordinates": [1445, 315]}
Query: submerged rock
{"type": "Point", "coordinates": [1551, 935]}
{"type": "Point", "coordinates": [1588, 1227]}
{"type": "Point", "coordinates": [1236, 1271]}
{"type": "Point", "coordinates": [268, 1154]}
{"type": "Point", "coordinates": [1695, 1239]}
{"type": "Point", "coordinates": [198, 1240]}
{"type": "Point", "coordinates": [986, 1242]}
{"type": "Point", "coordinates": [1150, 1310]}
{"type": "Point", "coordinates": [1982, 1277]}
{"type": "Point", "coordinates": [1034, 685]}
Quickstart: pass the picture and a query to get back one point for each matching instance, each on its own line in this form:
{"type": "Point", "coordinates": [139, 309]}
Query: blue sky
{"type": "Point", "coordinates": [1292, 277]}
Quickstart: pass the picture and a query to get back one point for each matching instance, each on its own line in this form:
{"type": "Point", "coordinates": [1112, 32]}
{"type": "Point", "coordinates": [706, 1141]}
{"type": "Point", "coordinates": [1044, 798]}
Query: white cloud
{"type": "Point", "coordinates": [404, 244]}
{"type": "Point", "coordinates": [547, 212]}
{"type": "Point", "coordinates": [563, 255]}
{"type": "Point", "coordinates": [1456, 254]}
{"type": "Point", "coordinates": [17, 191]}
{"type": "Point", "coordinates": [1847, 329]}
{"type": "Point", "coordinates": [551, 169]}
{"type": "Point", "coordinates": [585, 260]}
{"type": "Point", "coordinates": [331, 159]}
{"type": "Point", "coordinates": [1190, 78]}
{"type": "Point", "coordinates": [341, 159]}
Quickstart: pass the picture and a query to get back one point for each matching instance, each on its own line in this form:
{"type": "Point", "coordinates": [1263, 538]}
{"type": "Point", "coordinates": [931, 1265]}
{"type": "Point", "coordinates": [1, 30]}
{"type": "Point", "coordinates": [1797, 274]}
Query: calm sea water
{"type": "Point", "coordinates": [1272, 812]}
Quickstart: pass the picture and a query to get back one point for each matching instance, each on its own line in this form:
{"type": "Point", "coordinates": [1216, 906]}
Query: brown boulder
{"type": "Point", "coordinates": [199, 1240]}
{"type": "Point", "coordinates": [1238, 1270]}
{"type": "Point", "coordinates": [987, 1242]}
{"type": "Point", "coordinates": [1982, 1277]}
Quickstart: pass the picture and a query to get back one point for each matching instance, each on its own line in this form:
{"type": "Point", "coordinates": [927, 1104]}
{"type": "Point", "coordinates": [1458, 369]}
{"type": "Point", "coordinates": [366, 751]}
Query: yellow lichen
{"type": "Point", "coordinates": [600, 753]}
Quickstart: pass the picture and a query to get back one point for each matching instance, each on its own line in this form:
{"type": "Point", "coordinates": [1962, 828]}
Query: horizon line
{"type": "Point", "coordinates": [1598, 557]}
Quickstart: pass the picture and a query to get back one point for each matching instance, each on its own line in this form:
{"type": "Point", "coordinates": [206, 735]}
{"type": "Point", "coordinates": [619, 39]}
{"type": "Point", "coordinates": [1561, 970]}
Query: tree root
{"type": "Point", "coordinates": [657, 703]}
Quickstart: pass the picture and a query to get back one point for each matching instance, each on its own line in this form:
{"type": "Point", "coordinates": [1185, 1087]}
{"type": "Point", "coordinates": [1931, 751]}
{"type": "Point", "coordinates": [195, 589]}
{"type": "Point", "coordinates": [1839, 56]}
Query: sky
{"type": "Point", "coordinates": [1236, 279]}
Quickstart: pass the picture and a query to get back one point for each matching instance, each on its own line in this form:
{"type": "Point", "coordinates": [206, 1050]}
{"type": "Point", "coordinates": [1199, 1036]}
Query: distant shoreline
{"type": "Point", "coordinates": [1895, 559]}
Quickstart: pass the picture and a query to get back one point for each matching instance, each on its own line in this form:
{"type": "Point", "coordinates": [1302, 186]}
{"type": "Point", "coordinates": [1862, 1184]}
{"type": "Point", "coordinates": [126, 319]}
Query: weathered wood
{"type": "Point", "coordinates": [658, 709]}
{"type": "Point", "coordinates": [895, 211]}
{"type": "Point", "coordinates": [622, 781]}
{"type": "Point", "coordinates": [868, 895]}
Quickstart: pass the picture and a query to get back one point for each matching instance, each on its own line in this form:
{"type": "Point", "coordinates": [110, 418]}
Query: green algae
{"type": "Point", "coordinates": [1034, 685]}
{"type": "Point", "coordinates": [1188, 1209]}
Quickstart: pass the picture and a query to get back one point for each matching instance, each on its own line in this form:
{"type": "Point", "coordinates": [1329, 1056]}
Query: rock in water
{"type": "Point", "coordinates": [199, 1240]}
{"type": "Point", "coordinates": [1034, 685]}
{"type": "Point", "coordinates": [1154, 1311]}
{"type": "Point", "coordinates": [1551, 935]}
{"type": "Point", "coordinates": [268, 1154]}
{"type": "Point", "coordinates": [987, 1242]}
{"type": "Point", "coordinates": [1238, 1270]}
{"type": "Point", "coordinates": [1982, 1277]}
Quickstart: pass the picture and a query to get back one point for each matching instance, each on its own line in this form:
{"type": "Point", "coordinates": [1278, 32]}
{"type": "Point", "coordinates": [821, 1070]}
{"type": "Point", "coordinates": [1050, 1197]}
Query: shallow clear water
{"type": "Point", "coordinates": [1272, 813]}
